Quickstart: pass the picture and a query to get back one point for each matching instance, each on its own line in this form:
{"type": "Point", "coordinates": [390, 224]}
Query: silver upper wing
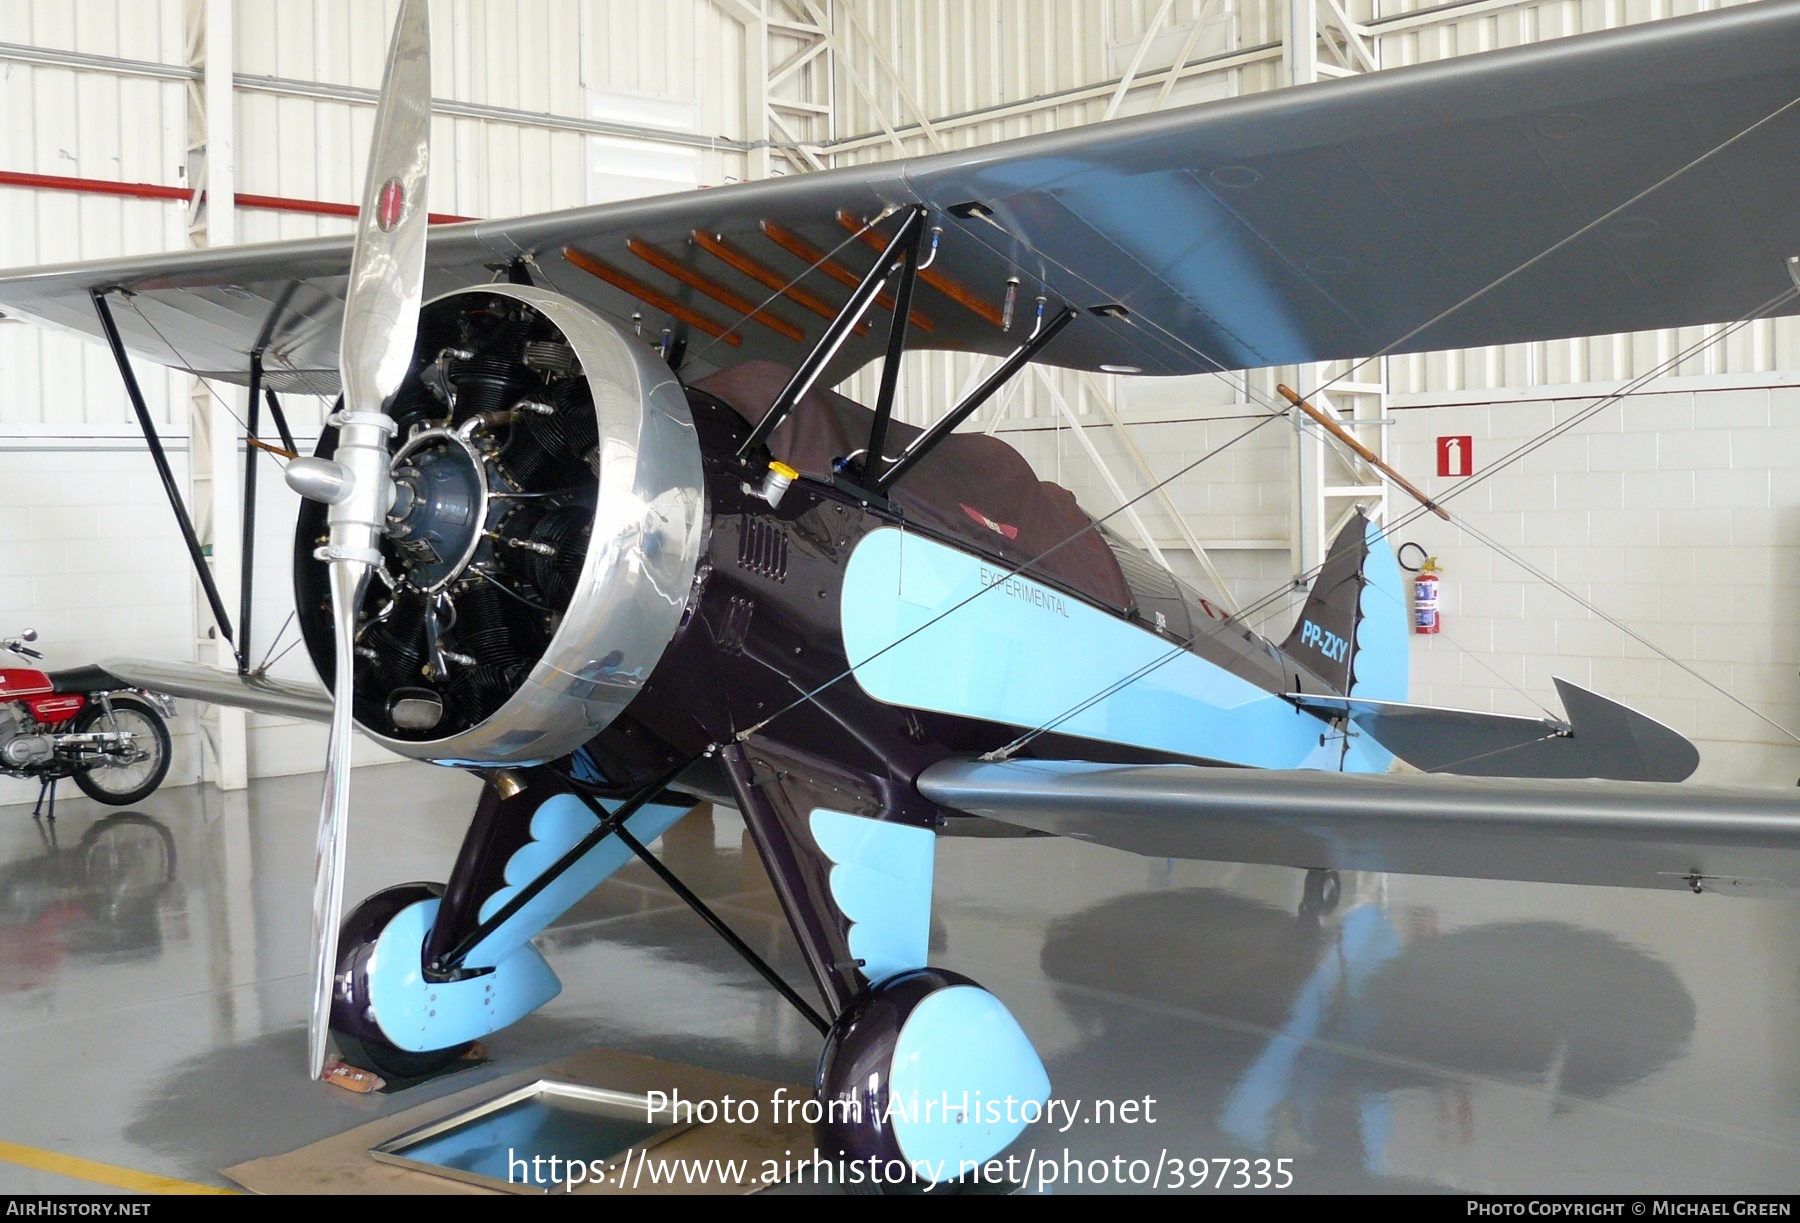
{"type": "Point", "coordinates": [1438, 203]}
{"type": "Point", "coordinates": [1626, 834]}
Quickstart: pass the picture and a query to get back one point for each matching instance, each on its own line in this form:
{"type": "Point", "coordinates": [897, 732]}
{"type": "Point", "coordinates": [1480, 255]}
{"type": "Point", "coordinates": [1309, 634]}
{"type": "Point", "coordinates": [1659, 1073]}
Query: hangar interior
{"type": "Point", "coordinates": [1579, 1039]}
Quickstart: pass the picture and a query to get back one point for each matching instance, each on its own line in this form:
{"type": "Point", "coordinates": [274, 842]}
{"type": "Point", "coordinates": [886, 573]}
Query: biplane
{"type": "Point", "coordinates": [588, 522]}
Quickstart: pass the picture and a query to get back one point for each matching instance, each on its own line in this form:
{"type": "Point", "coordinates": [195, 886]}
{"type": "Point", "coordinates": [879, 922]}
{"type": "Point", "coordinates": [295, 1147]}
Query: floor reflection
{"type": "Point", "coordinates": [1577, 1009]}
{"type": "Point", "coordinates": [1398, 1033]}
{"type": "Point", "coordinates": [109, 894]}
{"type": "Point", "coordinates": [1357, 1019]}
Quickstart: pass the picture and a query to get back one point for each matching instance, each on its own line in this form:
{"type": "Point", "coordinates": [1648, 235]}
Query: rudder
{"type": "Point", "coordinates": [1352, 632]}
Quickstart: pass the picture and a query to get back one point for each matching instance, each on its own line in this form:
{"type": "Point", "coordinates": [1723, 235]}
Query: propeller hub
{"type": "Point", "coordinates": [359, 507]}
{"type": "Point", "coordinates": [318, 479]}
{"type": "Point", "coordinates": [440, 507]}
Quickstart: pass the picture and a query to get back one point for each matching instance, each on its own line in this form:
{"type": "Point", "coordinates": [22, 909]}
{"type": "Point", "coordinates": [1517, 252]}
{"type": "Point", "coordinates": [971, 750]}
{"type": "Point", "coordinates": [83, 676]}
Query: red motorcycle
{"type": "Point", "coordinates": [81, 723]}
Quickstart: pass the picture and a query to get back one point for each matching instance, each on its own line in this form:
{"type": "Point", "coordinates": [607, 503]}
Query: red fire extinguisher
{"type": "Point", "coordinates": [1426, 617]}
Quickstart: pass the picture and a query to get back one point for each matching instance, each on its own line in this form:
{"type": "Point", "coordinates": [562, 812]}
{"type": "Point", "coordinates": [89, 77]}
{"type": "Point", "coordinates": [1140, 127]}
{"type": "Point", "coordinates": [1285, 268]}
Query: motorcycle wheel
{"type": "Point", "coordinates": [121, 781]}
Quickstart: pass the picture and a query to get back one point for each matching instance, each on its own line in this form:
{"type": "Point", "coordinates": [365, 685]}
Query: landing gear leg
{"type": "Point", "coordinates": [856, 890]}
{"type": "Point", "coordinates": [423, 970]}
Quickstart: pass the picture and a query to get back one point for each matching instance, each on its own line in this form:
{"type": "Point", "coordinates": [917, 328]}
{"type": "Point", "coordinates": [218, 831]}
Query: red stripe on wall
{"type": "Point", "coordinates": [155, 191]}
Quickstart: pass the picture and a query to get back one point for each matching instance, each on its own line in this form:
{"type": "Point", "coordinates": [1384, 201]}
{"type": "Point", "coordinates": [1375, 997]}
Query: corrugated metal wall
{"type": "Point", "coordinates": [88, 553]}
{"type": "Point", "coordinates": [987, 70]}
{"type": "Point", "coordinates": [86, 124]}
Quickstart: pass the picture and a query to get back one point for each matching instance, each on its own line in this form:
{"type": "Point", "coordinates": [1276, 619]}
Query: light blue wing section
{"type": "Point", "coordinates": [1025, 655]}
{"type": "Point", "coordinates": [556, 826]}
{"type": "Point", "coordinates": [418, 1015]}
{"type": "Point", "coordinates": [881, 881]}
{"type": "Point", "coordinates": [1383, 659]}
{"type": "Point", "coordinates": [963, 1071]}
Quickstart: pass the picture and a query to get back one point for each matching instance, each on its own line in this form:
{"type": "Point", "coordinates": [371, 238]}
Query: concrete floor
{"type": "Point", "coordinates": [1428, 1034]}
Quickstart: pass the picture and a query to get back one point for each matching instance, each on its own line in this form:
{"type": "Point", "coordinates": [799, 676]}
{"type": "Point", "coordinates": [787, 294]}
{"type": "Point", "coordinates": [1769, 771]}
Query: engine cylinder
{"type": "Point", "coordinates": [538, 615]}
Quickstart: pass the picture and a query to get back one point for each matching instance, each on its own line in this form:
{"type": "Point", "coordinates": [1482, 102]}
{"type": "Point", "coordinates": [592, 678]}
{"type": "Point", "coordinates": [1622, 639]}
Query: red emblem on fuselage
{"type": "Point", "coordinates": [390, 204]}
{"type": "Point", "coordinates": [998, 528]}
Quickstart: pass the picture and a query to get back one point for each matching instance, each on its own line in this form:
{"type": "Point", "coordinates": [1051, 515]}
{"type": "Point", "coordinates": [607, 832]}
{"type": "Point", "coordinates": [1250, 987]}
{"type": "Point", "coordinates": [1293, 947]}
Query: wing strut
{"type": "Point", "coordinates": [247, 550]}
{"type": "Point", "coordinates": [136, 394]}
{"type": "Point", "coordinates": [874, 458]}
{"type": "Point", "coordinates": [927, 441]}
{"type": "Point", "coordinates": [838, 330]}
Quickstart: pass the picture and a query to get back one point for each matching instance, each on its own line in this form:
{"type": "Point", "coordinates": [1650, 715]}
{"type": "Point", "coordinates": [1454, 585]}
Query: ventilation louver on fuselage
{"type": "Point", "coordinates": [763, 549]}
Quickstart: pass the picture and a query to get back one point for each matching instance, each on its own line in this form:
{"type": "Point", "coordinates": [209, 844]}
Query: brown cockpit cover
{"type": "Point", "coordinates": [971, 487]}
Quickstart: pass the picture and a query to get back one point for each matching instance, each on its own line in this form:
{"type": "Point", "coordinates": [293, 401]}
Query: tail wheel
{"type": "Point", "coordinates": [130, 773]}
{"type": "Point", "coordinates": [353, 1025]}
{"type": "Point", "coordinates": [1319, 898]}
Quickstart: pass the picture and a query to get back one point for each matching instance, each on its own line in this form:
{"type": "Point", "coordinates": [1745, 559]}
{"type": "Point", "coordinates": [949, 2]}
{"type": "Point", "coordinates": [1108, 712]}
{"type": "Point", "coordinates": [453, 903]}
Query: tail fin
{"type": "Point", "coordinates": [1352, 632]}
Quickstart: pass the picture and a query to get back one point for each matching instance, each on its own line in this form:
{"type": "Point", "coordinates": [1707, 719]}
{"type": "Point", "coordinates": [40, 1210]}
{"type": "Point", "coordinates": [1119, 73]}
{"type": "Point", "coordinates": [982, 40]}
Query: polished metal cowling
{"type": "Point", "coordinates": [641, 558]}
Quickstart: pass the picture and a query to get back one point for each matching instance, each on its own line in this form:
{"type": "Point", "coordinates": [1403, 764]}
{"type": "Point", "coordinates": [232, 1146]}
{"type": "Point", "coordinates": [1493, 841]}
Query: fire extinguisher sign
{"type": "Point", "coordinates": [1456, 456]}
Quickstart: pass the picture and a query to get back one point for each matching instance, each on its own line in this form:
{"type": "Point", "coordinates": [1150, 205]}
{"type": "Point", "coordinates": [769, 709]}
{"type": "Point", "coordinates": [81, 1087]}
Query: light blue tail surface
{"type": "Point", "coordinates": [1381, 662]}
{"type": "Point", "coordinates": [1381, 653]}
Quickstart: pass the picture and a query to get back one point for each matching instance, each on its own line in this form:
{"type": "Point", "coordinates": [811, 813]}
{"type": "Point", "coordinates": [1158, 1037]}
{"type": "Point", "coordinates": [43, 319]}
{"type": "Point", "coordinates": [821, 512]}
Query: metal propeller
{"type": "Point", "coordinates": [381, 322]}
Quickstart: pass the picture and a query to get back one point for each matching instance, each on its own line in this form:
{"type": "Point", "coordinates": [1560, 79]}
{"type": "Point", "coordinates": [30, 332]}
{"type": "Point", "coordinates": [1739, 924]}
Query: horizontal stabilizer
{"type": "Point", "coordinates": [215, 685]}
{"type": "Point", "coordinates": [1623, 834]}
{"type": "Point", "coordinates": [1602, 738]}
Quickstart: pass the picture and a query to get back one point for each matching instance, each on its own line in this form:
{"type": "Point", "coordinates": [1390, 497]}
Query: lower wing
{"type": "Point", "coordinates": [1627, 834]}
{"type": "Point", "coordinates": [199, 682]}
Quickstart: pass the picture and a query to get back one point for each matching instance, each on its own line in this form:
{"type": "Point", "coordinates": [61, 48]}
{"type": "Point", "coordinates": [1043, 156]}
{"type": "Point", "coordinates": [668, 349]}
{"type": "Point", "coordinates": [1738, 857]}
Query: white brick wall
{"type": "Point", "coordinates": [91, 557]}
{"type": "Point", "coordinates": [1676, 512]}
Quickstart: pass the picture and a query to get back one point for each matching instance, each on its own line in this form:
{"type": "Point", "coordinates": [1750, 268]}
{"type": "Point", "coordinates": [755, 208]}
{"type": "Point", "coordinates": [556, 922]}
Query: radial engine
{"type": "Point", "coordinates": [546, 524]}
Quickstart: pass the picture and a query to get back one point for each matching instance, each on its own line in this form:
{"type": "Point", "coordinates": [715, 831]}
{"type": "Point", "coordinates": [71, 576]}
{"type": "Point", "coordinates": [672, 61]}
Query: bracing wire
{"type": "Point", "coordinates": [1014, 572]}
{"type": "Point", "coordinates": [1287, 591]}
{"type": "Point", "coordinates": [274, 641]}
{"type": "Point", "coordinates": [1244, 615]}
{"type": "Point", "coordinates": [1386, 530]}
{"type": "Point", "coordinates": [1630, 632]}
{"type": "Point", "coordinates": [1633, 386]}
{"type": "Point", "coordinates": [185, 364]}
{"type": "Point", "coordinates": [284, 653]}
{"type": "Point", "coordinates": [1475, 657]}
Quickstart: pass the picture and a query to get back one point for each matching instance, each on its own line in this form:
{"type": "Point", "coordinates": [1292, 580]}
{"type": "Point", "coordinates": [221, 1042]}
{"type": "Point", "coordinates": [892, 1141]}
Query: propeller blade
{"type": "Point", "coordinates": [381, 321]}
